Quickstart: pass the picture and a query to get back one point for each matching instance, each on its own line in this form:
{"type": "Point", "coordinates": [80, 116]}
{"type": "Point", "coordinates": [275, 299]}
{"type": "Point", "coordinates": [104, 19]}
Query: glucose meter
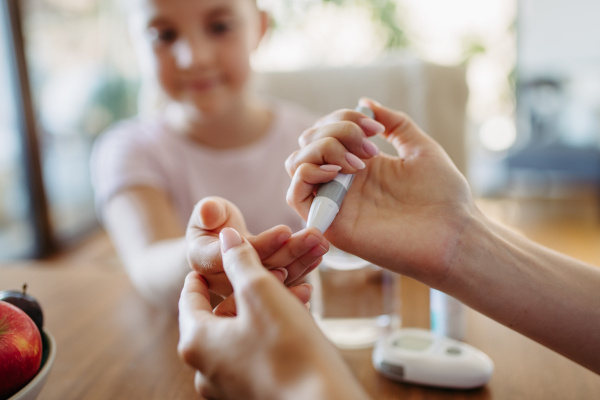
{"type": "Point", "coordinates": [419, 356]}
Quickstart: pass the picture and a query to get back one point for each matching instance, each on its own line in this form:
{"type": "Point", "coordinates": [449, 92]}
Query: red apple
{"type": "Point", "coordinates": [20, 349]}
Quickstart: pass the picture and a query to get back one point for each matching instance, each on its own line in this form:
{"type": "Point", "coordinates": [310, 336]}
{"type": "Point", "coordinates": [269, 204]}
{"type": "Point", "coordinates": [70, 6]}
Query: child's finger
{"type": "Point", "coordinates": [226, 308]}
{"type": "Point", "coordinates": [307, 177]}
{"type": "Point", "coordinates": [303, 266]}
{"type": "Point", "coordinates": [302, 292]}
{"type": "Point", "coordinates": [209, 217]}
{"type": "Point", "coordinates": [269, 241]}
{"type": "Point", "coordinates": [327, 150]}
{"type": "Point", "coordinates": [348, 133]}
{"type": "Point", "coordinates": [296, 247]}
{"type": "Point", "coordinates": [307, 271]}
{"type": "Point", "coordinates": [213, 213]}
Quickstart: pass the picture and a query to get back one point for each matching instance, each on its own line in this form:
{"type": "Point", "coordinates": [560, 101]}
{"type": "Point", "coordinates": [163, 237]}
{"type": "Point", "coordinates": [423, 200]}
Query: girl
{"type": "Point", "coordinates": [212, 138]}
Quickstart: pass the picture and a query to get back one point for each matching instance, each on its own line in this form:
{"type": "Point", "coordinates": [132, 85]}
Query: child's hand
{"type": "Point", "coordinates": [403, 213]}
{"type": "Point", "coordinates": [277, 248]}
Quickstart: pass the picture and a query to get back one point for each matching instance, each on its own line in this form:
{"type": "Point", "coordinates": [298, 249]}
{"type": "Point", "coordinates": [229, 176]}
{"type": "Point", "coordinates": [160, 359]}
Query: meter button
{"type": "Point", "coordinates": [453, 351]}
{"type": "Point", "coordinates": [395, 370]}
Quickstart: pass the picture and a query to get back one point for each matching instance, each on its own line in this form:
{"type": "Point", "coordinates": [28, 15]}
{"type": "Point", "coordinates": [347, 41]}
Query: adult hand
{"type": "Point", "coordinates": [403, 213]}
{"type": "Point", "coordinates": [272, 349]}
{"type": "Point", "coordinates": [296, 255]}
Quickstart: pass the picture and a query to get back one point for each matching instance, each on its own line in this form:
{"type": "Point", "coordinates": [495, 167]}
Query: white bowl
{"type": "Point", "coordinates": [33, 388]}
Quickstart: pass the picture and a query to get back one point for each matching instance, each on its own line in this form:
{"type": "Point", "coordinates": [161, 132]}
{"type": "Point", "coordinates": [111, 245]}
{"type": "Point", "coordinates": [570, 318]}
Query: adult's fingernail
{"type": "Point", "coordinates": [355, 161]}
{"type": "Point", "coordinates": [330, 168]}
{"type": "Point", "coordinates": [229, 238]}
{"type": "Point", "coordinates": [370, 148]}
{"type": "Point", "coordinates": [312, 240]}
{"type": "Point", "coordinates": [371, 125]}
{"type": "Point", "coordinates": [280, 273]}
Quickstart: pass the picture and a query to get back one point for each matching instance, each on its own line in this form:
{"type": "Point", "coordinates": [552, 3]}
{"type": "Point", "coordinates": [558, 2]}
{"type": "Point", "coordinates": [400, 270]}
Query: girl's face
{"type": "Point", "coordinates": [199, 50]}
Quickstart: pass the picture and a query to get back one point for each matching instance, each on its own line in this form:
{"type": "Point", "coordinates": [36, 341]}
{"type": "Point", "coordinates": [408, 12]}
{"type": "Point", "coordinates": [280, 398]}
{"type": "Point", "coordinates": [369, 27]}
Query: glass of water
{"type": "Point", "coordinates": [354, 302]}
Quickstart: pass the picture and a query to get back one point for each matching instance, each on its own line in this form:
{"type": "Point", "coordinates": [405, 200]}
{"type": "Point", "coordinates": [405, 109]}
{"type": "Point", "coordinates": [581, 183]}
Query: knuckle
{"type": "Point", "coordinates": [349, 129]}
{"type": "Point", "coordinates": [329, 147]}
{"type": "Point", "coordinates": [204, 390]}
{"type": "Point", "coordinates": [186, 351]}
{"type": "Point", "coordinates": [290, 163]}
{"type": "Point", "coordinates": [330, 143]}
{"type": "Point", "coordinates": [405, 120]}
{"type": "Point", "coordinates": [346, 114]}
{"type": "Point", "coordinates": [306, 261]}
{"type": "Point", "coordinates": [243, 253]}
{"type": "Point", "coordinates": [303, 169]}
{"type": "Point", "coordinates": [304, 138]}
{"type": "Point", "coordinates": [289, 197]}
{"type": "Point", "coordinates": [296, 253]}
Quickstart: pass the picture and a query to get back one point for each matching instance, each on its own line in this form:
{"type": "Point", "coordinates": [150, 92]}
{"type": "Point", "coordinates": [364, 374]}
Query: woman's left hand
{"type": "Point", "coordinates": [271, 349]}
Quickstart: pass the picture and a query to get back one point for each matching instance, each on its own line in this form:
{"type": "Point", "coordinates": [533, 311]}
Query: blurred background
{"type": "Point", "coordinates": [532, 67]}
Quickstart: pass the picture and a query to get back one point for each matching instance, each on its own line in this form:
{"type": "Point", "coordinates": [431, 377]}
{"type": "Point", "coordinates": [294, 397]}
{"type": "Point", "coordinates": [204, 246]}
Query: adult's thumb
{"type": "Point", "coordinates": [240, 261]}
{"type": "Point", "coordinates": [400, 129]}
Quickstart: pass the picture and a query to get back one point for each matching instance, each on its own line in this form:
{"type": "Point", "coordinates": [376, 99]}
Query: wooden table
{"type": "Point", "coordinates": [112, 345]}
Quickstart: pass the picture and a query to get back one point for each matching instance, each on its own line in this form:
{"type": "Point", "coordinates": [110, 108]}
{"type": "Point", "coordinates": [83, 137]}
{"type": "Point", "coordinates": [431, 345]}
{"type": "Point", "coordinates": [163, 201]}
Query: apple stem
{"type": "Point", "coordinates": [24, 288]}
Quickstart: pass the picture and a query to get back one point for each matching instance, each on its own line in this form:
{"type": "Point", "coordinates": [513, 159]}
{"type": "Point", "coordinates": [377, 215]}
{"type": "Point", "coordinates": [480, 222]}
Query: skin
{"type": "Point", "coordinates": [198, 51]}
{"type": "Point", "coordinates": [269, 362]}
{"type": "Point", "coordinates": [412, 214]}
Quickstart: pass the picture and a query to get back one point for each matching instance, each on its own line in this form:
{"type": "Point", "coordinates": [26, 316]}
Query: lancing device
{"type": "Point", "coordinates": [330, 195]}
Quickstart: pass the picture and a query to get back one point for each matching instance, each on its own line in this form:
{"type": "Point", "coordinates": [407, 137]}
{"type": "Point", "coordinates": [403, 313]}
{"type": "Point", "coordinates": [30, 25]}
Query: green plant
{"type": "Point", "coordinates": [383, 12]}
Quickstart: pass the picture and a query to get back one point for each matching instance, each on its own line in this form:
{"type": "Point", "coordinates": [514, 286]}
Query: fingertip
{"type": "Point", "coordinates": [280, 273]}
{"type": "Point", "coordinates": [367, 102]}
{"type": "Point", "coordinates": [194, 276]}
{"type": "Point", "coordinates": [190, 276]}
{"type": "Point", "coordinates": [210, 213]}
{"type": "Point", "coordinates": [313, 231]}
{"type": "Point", "coordinates": [310, 288]}
{"type": "Point", "coordinates": [303, 292]}
{"type": "Point", "coordinates": [283, 234]}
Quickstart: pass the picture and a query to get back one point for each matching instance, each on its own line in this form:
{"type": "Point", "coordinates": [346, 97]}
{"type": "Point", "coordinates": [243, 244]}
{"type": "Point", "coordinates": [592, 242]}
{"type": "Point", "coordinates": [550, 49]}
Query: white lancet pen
{"type": "Point", "coordinates": [330, 195]}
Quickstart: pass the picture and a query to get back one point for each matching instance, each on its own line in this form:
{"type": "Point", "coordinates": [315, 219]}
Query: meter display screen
{"type": "Point", "coordinates": [413, 343]}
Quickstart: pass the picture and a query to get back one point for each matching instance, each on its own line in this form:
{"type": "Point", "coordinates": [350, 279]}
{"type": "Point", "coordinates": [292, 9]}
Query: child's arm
{"type": "Point", "coordinates": [145, 230]}
{"type": "Point", "coordinates": [150, 240]}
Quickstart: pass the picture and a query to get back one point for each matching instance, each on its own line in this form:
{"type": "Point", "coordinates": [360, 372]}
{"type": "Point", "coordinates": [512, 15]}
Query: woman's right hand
{"type": "Point", "coordinates": [403, 213]}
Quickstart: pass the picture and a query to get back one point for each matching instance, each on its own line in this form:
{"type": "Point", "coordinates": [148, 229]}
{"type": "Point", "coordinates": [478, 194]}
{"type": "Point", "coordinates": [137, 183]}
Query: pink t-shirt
{"type": "Point", "coordinates": [253, 177]}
